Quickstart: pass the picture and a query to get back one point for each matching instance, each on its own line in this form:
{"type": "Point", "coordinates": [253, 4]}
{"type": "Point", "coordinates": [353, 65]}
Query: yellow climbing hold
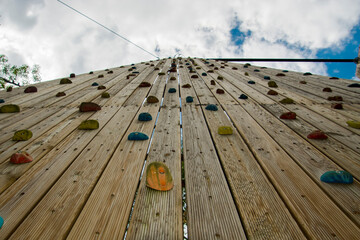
{"type": "Point", "coordinates": [225, 130]}
{"type": "Point", "coordinates": [89, 125]}
{"type": "Point", "coordinates": [353, 124]}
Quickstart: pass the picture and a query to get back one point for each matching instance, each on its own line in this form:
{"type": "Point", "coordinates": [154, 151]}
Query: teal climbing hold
{"type": "Point", "coordinates": [1, 222]}
{"type": "Point", "coordinates": [211, 107]}
{"type": "Point", "coordinates": [94, 84]}
{"type": "Point", "coordinates": [136, 136]}
{"type": "Point", "coordinates": [267, 78]}
{"type": "Point", "coordinates": [354, 85]}
{"type": "Point", "coordinates": [144, 117]}
{"type": "Point", "coordinates": [243, 96]}
{"type": "Point", "coordinates": [172, 90]}
{"type": "Point", "coordinates": [251, 82]}
{"type": "Point", "coordinates": [337, 177]}
{"type": "Point", "coordinates": [256, 70]}
{"type": "Point", "coordinates": [204, 74]}
{"type": "Point", "coordinates": [189, 99]}
{"type": "Point", "coordinates": [2, 100]}
{"type": "Point", "coordinates": [285, 71]}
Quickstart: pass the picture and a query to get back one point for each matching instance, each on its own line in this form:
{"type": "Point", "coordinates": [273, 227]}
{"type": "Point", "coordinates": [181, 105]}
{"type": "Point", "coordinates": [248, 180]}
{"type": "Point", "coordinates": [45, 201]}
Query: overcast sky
{"type": "Point", "coordinates": [61, 41]}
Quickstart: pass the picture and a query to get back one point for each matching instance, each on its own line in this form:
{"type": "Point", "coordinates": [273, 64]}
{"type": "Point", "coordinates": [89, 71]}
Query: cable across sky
{"type": "Point", "coordinates": [107, 28]}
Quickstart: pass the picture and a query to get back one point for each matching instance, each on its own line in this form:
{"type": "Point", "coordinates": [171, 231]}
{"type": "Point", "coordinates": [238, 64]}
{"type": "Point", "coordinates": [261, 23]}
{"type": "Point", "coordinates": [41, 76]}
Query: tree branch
{"type": "Point", "coordinates": [11, 82]}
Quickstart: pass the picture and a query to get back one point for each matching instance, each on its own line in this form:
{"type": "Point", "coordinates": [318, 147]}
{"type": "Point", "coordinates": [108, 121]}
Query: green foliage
{"type": "Point", "coordinates": [17, 75]}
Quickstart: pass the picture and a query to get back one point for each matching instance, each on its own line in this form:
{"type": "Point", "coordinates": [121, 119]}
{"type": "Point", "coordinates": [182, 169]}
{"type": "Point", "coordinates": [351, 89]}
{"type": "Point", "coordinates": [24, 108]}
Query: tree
{"type": "Point", "coordinates": [17, 75]}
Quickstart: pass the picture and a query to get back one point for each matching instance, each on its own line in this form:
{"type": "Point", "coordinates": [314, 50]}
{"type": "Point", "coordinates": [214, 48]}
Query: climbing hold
{"type": "Point", "coordinates": [194, 76]}
{"type": "Point", "coordinates": [212, 82]}
{"type": "Point", "coordinates": [337, 177]}
{"type": "Point", "coordinates": [91, 72]}
{"type": "Point", "coordinates": [89, 125]}
{"type": "Point", "coordinates": [105, 95]}
{"type": "Point", "coordinates": [234, 68]}
{"type": "Point", "coordinates": [144, 117]}
{"type": "Point", "coordinates": [137, 136]}
{"type": "Point", "coordinates": [243, 96]}
{"type": "Point", "coordinates": [335, 98]}
{"type": "Point", "coordinates": [256, 70]}
{"type": "Point", "coordinates": [60, 94]}
{"type": "Point", "coordinates": [267, 78]}
{"type": "Point", "coordinates": [89, 107]}
{"type": "Point", "coordinates": [288, 115]}
{"type": "Point", "coordinates": [272, 84]}
{"type": "Point", "coordinates": [334, 78]}
{"type": "Point", "coordinates": [173, 78]}
{"type": "Point", "coordinates": [216, 68]}
{"type": "Point", "coordinates": [220, 78]}
{"type": "Point", "coordinates": [225, 130]}
{"type": "Point", "coordinates": [307, 74]}
{"type": "Point", "coordinates": [210, 71]}
{"type": "Point", "coordinates": [272, 92]}
{"type": "Point", "coordinates": [72, 75]}
{"type": "Point", "coordinates": [156, 69]}
{"type": "Point", "coordinates": [327, 89]}
{"type": "Point", "coordinates": [285, 71]}
{"type": "Point", "coordinates": [189, 99]}
{"type": "Point", "coordinates": [246, 74]}
{"type": "Point", "coordinates": [317, 134]}
{"type": "Point", "coordinates": [152, 99]}
{"type": "Point", "coordinates": [172, 90]}
{"type": "Point", "coordinates": [211, 107]}
{"type": "Point", "coordinates": [2, 100]}
{"type": "Point", "coordinates": [161, 73]}
{"type": "Point", "coordinates": [251, 82]}
{"type": "Point", "coordinates": [173, 69]}
{"type": "Point", "coordinates": [101, 76]}
{"type": "Point", "coordinates": [192, 71]}
{"type": "Point", "coordinates": [20, 157]}
{"type": "Point", "coordinates": [101, 87]}
{"type": "Point", "coordinates": [204, 74]}
{"type": "Point", "coordinates": [145, 84]}
{"type": "Point", "coordinates": [220, 67]}
{"type": "Point", "coordinates": [9, 89]}
{"type": "Point", "coordinates": [280, 75]}
{"type": "Point", "coordinates": [1, 222]}
{"type": "Point", "coordinates": [303, 82]}
{"type": "Point", "coordinates": [186, 86]}
{"type": "Point", "coordinates": [287, 101]}
{"type": "Point", "coordinates": [337, 106]}
{"type": "Point", "coordinates": [353, 124]}
{"type": "Point", "coordinates": [355, 85]}
{"type": "Point", "coordinates": [10, 108]}
{"type": "Point", "coordinates": [65, 81]}
{"type": "Point", "coordinates": [110, 72]}
{"type": "Point", "coordinates": [94, 84]}
{"type": "Point", "coordinates": [30, 89]}
{"type": "Point", "coordinates": [22, 135]}
{"type": "Point", "coordinates": [219, 91]}
{"type": "Point", "coordinates": [158, 177]}
{"type": "Point", "coordinates": [245, 66]}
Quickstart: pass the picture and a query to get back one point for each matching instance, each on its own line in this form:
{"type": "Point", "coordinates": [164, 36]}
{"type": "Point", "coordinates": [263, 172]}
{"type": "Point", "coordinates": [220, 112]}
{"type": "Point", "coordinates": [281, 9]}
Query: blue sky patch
{"type": "Point", "coordinates": [238, 37]}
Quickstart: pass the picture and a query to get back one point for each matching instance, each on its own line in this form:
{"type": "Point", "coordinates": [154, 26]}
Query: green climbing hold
{"type": "Point", "coordinates": [161, 73]}
{"type": "Point", "coordinates": [10, 108]}
{"type": "Point", "coordinates": [220, 78]}
{"type": "Point", "coordinates": [246, 74]}
{"type": "Point", "coordinates": [189, 99]}
{"type": "Point", "coordinates": [272, 84]}
{"type": "Point", "coordinates": [337, 177]}
{"type": "Point", "coordinates": [211, 107]}
{"type": "Point", "coordinates": [89, 125]}
{"type": "Point", "coordinates": [353, 124]}
{"type": "Point", "coordinates": [172, 90]}
{"type": "Point", "coordinates": [144, 117]}
{"type": "Point", "coordinates": [287, 101]}
{"type": "Point", "coordinates": [225, 130]}
{"type": "Point", "coordinates": [105, 95]}
{"type": "Point", "coordinates": [22, 135]}
{"type": "Point", "coordinates": [136, 136]}
{"type": "Point", "coordinates": [65, 81]}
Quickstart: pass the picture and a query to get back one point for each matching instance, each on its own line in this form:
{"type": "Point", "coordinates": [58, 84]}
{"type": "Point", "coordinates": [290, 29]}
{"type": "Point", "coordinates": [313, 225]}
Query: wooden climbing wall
{"type": "Point", "coordinates": [261, 182]}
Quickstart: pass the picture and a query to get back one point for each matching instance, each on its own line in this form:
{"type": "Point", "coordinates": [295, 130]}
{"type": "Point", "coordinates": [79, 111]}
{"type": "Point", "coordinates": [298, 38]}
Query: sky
{"type": "Point", "coordinates": [61, 41]}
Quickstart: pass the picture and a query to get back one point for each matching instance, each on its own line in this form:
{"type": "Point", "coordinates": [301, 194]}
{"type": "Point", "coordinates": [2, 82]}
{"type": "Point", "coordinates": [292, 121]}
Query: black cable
{"type": "Point", "coordinates": [355, 60]}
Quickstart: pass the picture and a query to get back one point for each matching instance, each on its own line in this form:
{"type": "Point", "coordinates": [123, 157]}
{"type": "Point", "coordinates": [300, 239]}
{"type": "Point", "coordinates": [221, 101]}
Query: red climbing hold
{"type": "Point", "coordinates": [327, 89]}
{"type": "Point", "coordinates": [337, 106]}
{"type": "Point", "coordinates": [20, 157]}
{"type": "Point", "coordinates": [30, 89]}
{"type": "Point", "coordinates": [89, 107]}
{"type": "Point", "coordinates": [317, 134]}
{"type": "Point", "coordinates": [220, 91]}
{"type": "Point", "coordinates": [288, 115]}
{"type": "Point", "coordinates": [335, 98]}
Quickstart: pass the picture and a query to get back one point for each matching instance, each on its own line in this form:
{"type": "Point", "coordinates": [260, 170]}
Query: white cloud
{"type": "Point", "coordinates": [61, 41]}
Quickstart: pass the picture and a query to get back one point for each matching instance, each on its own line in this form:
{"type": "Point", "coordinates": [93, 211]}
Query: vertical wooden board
{"type": "Point", "coordinates": [264, 214]}
{"type": "Point", "coordinates": [211, 210]}
{"type": "Point", "coordinates": [107, 210]}
{"type": "Point", "coordinates": [158, 215]}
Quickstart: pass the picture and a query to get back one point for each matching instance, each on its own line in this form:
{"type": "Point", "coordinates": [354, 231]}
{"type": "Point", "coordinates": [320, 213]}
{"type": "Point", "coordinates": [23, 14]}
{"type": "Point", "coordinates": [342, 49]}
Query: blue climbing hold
{"type": "Point", "coordinates": [354, 85]}
{"type": "Point", "coordinates": [337, 177]}
{"type": "Point", "coordinates": [1, 222]}
{"type": "Point", "coordinates": [243, 96]}
{"type": "Point", "coordinates": [189, 99]}
{"type": "Point", "coordinates": [204, 74]}
{"type": "Point", "coordinates": [94, 84]}
{"type": "Point", "coordinates": [136, 136]}
{"type": "Point", "coordinates": [251, 82]}
{"type": "Point", "coordinates": [144, 117]}
{"type": "Point", "coordinates": [2, 100]}
{"type": "Point", "coordinates": [172, 90]}
{"type": "Point", "coordinates": [211, 107]}
{"type": "Point", "coordinates": [267, 78]}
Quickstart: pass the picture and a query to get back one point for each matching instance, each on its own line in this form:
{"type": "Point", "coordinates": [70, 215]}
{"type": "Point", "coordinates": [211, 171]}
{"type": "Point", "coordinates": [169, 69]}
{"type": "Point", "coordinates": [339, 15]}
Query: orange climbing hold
{"type": "Point", "coordinates": [158, 177]}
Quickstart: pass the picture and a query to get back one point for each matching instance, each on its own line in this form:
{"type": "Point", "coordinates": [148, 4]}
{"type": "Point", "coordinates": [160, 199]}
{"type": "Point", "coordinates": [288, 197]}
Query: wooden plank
{"type": "Point", "coordinates": [18, 200]}
{"type": "Point", "coordinates": [158, 215]}
{"type": "Point", "coordinates": [211, 209]}
{"type": "Point", "coordinates": [264, 214]}
{"type": "Point", "coordinates": [107, 210]}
